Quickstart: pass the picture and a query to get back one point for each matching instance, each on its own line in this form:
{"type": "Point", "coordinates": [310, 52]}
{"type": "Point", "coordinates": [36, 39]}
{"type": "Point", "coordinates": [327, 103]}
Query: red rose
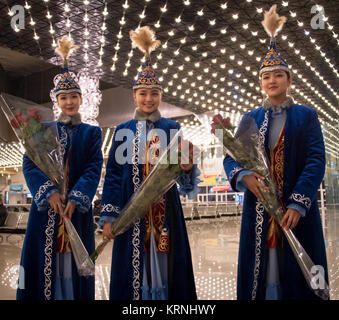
{"type": "Point", "coordinates": [217, 119]}
{"type": "Point", "coordinates": [226, 123]}
{"type": "Point", "coordinates": [14, 123]}
{"type": "Point", "coordinates": [17, 120]}
{"type": "Point", "coordinates": [35, 114]}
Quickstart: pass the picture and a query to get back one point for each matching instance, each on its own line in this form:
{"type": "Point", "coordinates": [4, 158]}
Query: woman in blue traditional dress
{"type": "Point", "coordinates": [152, 259]}
{"type": "Point", "coordinates": [267, 268]}
{"type": "Point", "coordinates": [48, 270]}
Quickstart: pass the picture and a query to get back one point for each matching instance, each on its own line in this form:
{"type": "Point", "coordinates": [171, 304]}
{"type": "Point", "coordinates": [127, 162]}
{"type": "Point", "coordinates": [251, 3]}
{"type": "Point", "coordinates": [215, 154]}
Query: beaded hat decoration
{"type": "Point", "coordinates": [272, 24]}
{"type": "Point", "coordinates": [144, 38]}
{"type": "Point", "coordinates": [66, 82]}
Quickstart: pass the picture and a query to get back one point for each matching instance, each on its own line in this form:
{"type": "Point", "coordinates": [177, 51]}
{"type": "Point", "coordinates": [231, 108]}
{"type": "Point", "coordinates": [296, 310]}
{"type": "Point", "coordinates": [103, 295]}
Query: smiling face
{"type": "Point", "coordinates": [69, 103]}
{"type": "Point", "coordinates": [148, 100]}
{"type": "Point", "coordinates": [275, 84]}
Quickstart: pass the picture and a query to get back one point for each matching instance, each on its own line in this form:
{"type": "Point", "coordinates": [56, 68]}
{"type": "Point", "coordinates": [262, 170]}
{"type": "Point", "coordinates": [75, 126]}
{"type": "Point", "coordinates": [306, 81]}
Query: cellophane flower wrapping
{"type": "Point", "coordinates": [162, 177]}
{"type": "Point", "coordinates": [34, 127]}
{"type": "Point", "coordinates": [246, 147]}
{"type": "Point", "coordinates": [36, 132]}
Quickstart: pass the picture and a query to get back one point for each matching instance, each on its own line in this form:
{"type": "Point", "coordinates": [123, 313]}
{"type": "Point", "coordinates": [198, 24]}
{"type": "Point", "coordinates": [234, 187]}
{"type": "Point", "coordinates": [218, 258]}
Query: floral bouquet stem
{"type": "Point", "coordinates": [84, 265]}
{"type": "Point", "coordinates": [248, 151]}
{"type": "Point", "coordinates": [158, 182]}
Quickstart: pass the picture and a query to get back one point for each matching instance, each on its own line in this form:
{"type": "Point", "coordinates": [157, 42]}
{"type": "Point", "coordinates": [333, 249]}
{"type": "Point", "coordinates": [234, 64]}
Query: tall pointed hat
{"type": "Point", "coordinates": [144, 38]}
{"type": "Point", "coordinates": [272, 24]}
{"type": "Point", "coordinates": [66, 83]}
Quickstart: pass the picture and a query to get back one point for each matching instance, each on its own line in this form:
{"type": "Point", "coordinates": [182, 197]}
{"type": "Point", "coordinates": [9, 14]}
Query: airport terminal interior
{"type": "Point", "coordinates": [208, 62]}
{"type": "Point", "coordinates": [214, 241]}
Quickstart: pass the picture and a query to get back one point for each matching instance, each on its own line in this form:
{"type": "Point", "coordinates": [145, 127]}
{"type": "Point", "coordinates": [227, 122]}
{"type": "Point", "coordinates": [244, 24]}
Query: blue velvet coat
{"type": "Point", "coordinates": [127, 259]}
{"type": "Point", "coordinates": [304, 168]}
{"type": "Point", "coordinates": [39, 248]}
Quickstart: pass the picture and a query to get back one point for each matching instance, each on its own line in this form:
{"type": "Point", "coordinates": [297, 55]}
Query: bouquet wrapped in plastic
{"type": "Point", "coordinates": [39, 136]}
{"type": "Point", "coordinates": [162, 177]}
{"type": "Point", "coordinates": [247, 149]}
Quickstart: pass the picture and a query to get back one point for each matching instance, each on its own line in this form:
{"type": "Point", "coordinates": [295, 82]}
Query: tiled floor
{"type": "Point", "coordinates": [214, 244]}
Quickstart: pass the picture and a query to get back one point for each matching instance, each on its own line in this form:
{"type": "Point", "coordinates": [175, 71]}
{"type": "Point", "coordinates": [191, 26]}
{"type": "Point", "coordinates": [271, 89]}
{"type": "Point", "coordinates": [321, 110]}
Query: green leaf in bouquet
{"type": "Point", "coordinates": [52, 140]}
{"type": "Point", "coordinates": [33, 126]}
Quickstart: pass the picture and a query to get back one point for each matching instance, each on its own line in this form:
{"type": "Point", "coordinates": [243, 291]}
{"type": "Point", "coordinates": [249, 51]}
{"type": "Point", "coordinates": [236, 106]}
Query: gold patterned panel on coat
{"type": "Point", "coordinates": [156, 214]}
{"type": "Point", "coordinates": [274, 235]}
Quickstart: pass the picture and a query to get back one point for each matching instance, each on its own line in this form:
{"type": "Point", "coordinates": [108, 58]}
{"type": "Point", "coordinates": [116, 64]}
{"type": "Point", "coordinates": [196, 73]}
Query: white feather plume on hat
{"type": "Point", "coordinates": [65, 47]}
{"type": "Point", "coordinates": [272, 22]}
{"type": "Point", "coordinates": [144, 38]}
